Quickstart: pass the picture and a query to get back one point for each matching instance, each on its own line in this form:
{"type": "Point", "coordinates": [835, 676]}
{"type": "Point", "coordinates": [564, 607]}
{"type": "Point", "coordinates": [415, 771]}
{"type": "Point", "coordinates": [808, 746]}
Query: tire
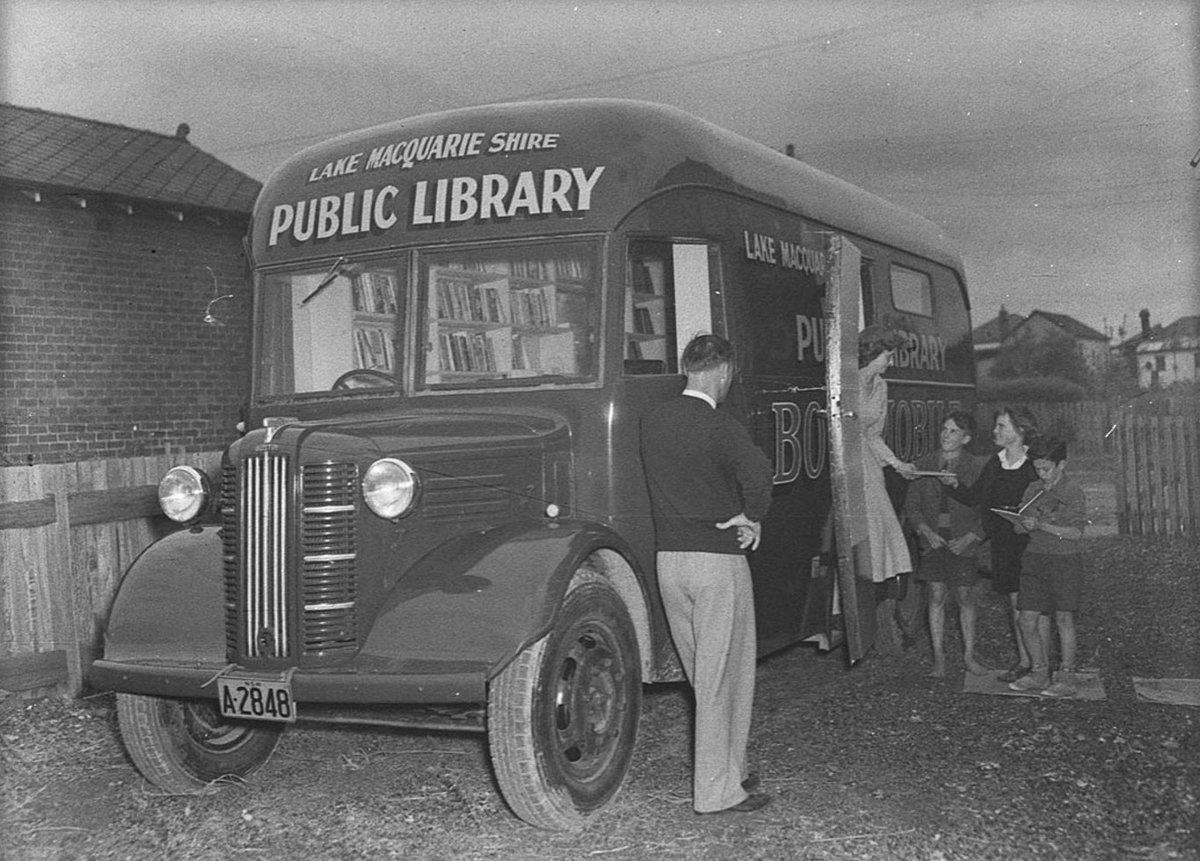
{"type": "Point", "coordinates": [183, 746]}
{"type": "Point", "coordinates": [563, 716]}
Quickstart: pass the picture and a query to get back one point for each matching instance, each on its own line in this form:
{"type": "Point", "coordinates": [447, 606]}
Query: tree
{"type": "Point", "coordinates": [1042, 357]}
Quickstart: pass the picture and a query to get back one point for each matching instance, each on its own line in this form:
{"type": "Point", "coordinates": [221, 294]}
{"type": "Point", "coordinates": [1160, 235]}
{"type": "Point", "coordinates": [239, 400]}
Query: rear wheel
{"type": "Point", "coordinates": [563, 716]}
{"type": "Point", "coordinates": [183, 746]}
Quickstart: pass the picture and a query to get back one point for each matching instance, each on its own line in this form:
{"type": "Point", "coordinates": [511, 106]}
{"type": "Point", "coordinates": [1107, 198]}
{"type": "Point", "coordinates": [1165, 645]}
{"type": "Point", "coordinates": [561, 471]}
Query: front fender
{"type": "Point", "coordinates": [484, 597]}
{"type": "Point", "coordinates": [170, 604]}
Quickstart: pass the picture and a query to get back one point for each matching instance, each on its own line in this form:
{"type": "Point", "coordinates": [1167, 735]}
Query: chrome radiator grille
{"type": "Point", "coordinates": [271, 611]}
{"type": "Point", "coordinates": [329, 546]}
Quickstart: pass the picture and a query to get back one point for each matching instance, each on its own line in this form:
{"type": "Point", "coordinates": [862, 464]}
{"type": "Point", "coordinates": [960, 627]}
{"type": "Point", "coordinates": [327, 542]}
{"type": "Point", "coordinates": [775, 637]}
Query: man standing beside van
{"type": "Point", "coordinates": [710, 488]}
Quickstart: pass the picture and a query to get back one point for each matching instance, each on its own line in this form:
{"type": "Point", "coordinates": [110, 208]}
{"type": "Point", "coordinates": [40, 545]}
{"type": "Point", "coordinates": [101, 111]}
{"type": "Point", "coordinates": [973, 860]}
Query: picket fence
{"type": "Point", "coordinates": [1158, 476]}
{"type": "Point", "coordinates": [1153, 442]}
{"type": "Point", "coordinates": [67, 533]}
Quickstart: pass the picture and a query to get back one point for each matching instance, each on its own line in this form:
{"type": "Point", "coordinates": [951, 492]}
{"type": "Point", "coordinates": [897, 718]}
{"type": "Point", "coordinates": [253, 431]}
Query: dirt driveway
{"type": "Point", "coordinates": [878, 762]}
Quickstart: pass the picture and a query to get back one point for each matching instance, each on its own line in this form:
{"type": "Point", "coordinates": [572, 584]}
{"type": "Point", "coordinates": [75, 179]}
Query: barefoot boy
{"type": "Point", "coordinates": [948, 530]}
{"type": "Point", "coordinates": [1054, 515]}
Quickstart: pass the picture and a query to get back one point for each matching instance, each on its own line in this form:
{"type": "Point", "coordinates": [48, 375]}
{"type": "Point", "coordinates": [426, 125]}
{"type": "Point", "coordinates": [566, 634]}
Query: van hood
{"type": "Point", "coordinates": [482, 430]}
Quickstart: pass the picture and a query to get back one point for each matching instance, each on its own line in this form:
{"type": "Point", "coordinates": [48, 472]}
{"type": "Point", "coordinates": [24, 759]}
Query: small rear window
{"type": "Point", "coordinates": [911, 291]}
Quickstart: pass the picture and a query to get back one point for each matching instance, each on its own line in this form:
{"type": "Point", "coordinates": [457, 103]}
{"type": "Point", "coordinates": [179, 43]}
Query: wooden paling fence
{"type": "Point", "coordinates": [67, 534]}
{"type": "Point", "coordinates": [1158, 479]}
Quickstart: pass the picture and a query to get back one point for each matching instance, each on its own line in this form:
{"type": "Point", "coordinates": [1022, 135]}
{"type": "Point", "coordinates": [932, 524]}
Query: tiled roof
{"type": "Point", "coordinates": [1183, 334]}
{"type": "Point", "coordinates": [993, 331]}
{"type": "Point", "coordinates": [44, 148]}
{"type": "Point", "coordinates": [1070, 326]}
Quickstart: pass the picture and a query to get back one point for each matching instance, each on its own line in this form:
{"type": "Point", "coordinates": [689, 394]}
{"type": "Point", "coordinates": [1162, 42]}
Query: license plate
{"type": "Point", "coordinates": [256, 699]}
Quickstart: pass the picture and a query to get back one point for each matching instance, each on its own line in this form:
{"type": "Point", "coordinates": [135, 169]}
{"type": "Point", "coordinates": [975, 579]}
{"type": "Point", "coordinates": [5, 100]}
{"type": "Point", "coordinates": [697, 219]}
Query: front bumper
{"type": "Point", "coordinates": [457, 685]}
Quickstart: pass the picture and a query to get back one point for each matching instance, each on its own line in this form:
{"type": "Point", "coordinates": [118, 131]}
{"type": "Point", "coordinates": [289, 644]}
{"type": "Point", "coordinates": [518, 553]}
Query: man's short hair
{"type": "Point", "coordinates": [964, 420]}
{"type": "Point", "coordinates": [705, 352]}
{"type": "Point", "coordinates": [1048, 448]}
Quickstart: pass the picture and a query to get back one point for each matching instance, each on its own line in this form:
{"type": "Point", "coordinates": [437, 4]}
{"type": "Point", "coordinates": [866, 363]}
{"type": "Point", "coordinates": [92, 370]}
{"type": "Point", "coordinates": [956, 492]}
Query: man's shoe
{"type": "Point", "coordinates": [751, 782]}
{"type": "Point", "coordinates": [749, 804]}
{"type": "Point", "coordinates": [1014, 672]}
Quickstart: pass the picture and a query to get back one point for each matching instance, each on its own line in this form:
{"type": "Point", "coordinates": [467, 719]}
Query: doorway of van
{"type": "Point", "coordinates": [843, 314]}
{"type": "Point", "coordinates": [673, 295]}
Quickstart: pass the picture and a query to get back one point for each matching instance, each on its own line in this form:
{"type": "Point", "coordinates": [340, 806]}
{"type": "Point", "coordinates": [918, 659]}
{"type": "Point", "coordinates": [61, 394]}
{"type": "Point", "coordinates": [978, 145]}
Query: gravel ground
{"type": "Point", "coordinates": [877, 762]}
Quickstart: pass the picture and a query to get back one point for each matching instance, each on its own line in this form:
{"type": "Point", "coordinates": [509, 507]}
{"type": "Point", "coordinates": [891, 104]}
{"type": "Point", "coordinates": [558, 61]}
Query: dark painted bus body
{"type": "Point", "coordinates": [438, 500]}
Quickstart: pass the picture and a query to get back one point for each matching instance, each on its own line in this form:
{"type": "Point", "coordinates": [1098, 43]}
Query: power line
{"type": "Point", "coordinates": [790, 45]}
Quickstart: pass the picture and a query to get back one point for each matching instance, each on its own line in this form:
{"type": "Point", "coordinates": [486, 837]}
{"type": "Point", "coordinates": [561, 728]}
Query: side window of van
{"type": "Point", "coordinates": [911, 291]}
{"type": "Point", "coordinates": [866, 308]}
{"type": "Point", "coordinates": [668, 299]}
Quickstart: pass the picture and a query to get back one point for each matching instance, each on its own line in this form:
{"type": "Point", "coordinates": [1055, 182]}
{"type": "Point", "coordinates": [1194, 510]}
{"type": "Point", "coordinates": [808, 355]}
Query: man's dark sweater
{"type": "Point", "coordinates": [702, 469]}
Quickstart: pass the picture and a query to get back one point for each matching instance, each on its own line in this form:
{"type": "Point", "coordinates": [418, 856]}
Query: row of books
{"type": "Point", "coordinates": [459, 299]}
{"type": "Point", "coordinates": [643, 321]}
{"type": "Point", "coordinates": [555, 269]}
{"type": "Point", "coordinates": [374, 293]}
{"type": "Point", "coordinates": [649, 276]}
{"type": "Point", "coordinates": [468, 351]}
{"type": "Point", "coordinates": [495, 302]}
{"type": "Point", "coordinates": [373, 349]}
{"type": "Point", "coordinates": [498, 351]}
{"type": "Point", "coordinates": [538, 268]}
{"type": "Point", "coordinates": [534, 307]}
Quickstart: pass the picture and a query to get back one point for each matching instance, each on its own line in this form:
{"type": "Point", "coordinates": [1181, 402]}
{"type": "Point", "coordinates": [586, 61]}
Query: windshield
{"type": "Point", "coordinates": [484, 318]}
{"type": "Point", "coordinates": [494, 316]}
{"type": "Point", "coordinates": [336, 327]}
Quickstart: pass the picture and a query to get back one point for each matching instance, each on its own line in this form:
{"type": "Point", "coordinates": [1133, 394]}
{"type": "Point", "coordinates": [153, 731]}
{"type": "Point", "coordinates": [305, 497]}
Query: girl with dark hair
{"type": "Point", "coordinates": [1002, 484]}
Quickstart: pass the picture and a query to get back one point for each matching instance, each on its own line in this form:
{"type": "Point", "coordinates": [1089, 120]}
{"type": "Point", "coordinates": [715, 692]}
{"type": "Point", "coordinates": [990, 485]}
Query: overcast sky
{"type": "Point", "coordinates": [1050, 139]}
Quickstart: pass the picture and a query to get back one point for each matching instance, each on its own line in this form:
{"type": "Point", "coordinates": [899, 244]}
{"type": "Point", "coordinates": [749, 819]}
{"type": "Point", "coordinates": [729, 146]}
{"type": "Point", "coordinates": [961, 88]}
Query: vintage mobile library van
{"type": "Point", "coordinates": [437, 514]}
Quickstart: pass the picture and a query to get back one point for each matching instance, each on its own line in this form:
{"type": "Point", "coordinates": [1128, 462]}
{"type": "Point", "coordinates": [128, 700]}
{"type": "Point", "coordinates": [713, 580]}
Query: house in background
{"type": "Point", "coordinates": [1043, 325]}
{"type": "Point", "coordinates": [118, 245]}
{"type": "Point", "coordinates": [1125, 352]}
{"type": "Point", "coordinates": [124, 343]}
{"type": "Point", "coordinates": [988, 338]}
{"type": "Point", "coordinates": [1168, 355]}
{"type": "Point", "coordinates": [1010, 331]}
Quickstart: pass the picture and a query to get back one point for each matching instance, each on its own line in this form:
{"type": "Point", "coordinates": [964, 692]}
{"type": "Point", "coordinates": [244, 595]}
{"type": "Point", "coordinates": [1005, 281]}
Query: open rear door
{"type": "Point", "coordinates": [855, 586]}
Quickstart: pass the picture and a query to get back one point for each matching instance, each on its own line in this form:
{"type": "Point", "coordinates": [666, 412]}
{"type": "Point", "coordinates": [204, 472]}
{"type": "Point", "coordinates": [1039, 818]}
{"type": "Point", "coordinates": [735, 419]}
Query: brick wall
{"type": "Point", "coordinates": [104, 351]}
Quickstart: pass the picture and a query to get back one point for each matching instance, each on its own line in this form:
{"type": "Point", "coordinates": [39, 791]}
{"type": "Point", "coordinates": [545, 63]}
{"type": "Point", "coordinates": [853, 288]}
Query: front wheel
{"type": "Point", "coordinates": [183, 746]}
{"type": "Point", "coordinates": [563, 716]}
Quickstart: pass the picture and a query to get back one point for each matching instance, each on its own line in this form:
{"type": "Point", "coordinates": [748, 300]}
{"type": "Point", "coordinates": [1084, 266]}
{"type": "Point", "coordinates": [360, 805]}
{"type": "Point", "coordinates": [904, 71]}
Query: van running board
{"type": "Point", "coordinates": [466, 718]}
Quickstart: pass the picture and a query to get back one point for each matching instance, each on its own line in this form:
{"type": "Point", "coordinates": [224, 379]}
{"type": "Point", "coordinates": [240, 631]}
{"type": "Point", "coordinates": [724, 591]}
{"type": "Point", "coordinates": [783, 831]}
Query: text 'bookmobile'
{"type": "Point", "coordinates": [437, 516]}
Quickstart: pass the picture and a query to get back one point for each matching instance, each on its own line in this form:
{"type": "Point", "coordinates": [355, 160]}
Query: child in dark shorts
{"type": "Point", "coordinates": [1054, 516]}
{"type": "Point", "coordinates": [947, 531]}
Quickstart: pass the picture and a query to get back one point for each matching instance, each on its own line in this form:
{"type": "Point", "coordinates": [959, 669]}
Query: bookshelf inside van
{"type": "Point", "coordinates": [511, 315]}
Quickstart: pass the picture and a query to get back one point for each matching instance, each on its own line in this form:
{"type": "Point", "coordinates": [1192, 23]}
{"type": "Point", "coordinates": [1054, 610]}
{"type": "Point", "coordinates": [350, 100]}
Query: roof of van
{"type": "Point", "coordinates": [665, 147]}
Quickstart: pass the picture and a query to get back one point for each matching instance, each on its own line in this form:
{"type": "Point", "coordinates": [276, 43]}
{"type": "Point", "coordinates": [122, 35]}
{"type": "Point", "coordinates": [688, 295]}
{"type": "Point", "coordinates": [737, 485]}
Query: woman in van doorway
{"type": "Point", "coordinates": [1001, 484]}
{"type": "Point", "coordinates": [889, 548]}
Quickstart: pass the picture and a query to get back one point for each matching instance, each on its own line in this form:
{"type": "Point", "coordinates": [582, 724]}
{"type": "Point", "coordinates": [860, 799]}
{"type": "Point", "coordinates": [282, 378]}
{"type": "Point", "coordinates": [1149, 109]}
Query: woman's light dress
{"type": "Point", "coordinates": [889, 550]}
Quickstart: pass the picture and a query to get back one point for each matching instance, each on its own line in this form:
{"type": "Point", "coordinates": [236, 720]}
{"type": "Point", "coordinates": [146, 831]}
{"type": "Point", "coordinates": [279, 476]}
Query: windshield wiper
{"type": "Point", "coordinates": [329, 278]}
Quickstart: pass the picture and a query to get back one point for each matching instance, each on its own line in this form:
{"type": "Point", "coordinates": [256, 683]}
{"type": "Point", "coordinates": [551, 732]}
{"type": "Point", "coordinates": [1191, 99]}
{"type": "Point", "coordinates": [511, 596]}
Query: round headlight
{"type": "Point", "coordinates": [183, 493]}
{"type": "Point", "coordinates": [390, 488]}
